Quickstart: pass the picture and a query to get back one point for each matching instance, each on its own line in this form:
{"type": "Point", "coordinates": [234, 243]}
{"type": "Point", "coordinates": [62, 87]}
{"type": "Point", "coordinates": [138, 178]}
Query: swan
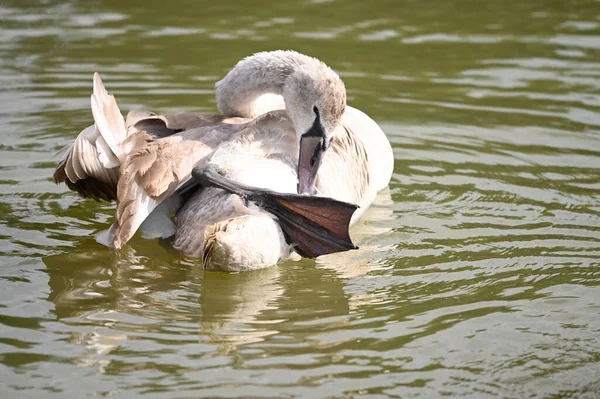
{"type": "Point", "coordinates": [285, 132]}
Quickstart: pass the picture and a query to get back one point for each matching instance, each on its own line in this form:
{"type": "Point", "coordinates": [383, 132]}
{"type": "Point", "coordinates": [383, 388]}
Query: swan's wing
{"type": "Point", "coordinates": [109, 120]}
{"type": "Point", "coordinates": [83, 170]}
{"type": "Point", "coordinates": [156, 169]}
{"type": "Point", "coordinates": [90, 165]}
{"type": "Point", "coordinates": [139, 161]}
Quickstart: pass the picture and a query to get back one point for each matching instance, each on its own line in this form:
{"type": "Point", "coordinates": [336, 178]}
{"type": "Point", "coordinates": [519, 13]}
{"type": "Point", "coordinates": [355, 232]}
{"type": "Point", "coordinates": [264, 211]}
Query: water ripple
{"type": "Point", "coordinates": [479, 268]}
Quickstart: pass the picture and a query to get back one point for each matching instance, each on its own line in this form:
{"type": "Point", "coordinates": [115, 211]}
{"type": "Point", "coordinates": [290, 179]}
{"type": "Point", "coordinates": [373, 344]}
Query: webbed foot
{"type": "Point", "coordinates": [313, 225]}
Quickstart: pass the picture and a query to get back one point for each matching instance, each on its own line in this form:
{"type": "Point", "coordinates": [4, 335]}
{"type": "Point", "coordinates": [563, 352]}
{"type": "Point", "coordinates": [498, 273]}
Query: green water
{"type": "Point", "coordinates": [479, 269]}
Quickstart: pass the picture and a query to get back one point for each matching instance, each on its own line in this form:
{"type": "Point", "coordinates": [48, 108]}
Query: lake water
{"type": "Point", "coordinates": [479, 269]}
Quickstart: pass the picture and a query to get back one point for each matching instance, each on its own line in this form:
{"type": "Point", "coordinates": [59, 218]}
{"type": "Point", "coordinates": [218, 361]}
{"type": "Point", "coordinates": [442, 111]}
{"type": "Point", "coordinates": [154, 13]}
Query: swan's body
{"type": "Point", "coordinates": [152, 158]}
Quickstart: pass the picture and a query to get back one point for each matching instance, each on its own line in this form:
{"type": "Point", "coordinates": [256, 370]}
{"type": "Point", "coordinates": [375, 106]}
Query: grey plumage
{"type": "Point", "coordinates": [146, 158]}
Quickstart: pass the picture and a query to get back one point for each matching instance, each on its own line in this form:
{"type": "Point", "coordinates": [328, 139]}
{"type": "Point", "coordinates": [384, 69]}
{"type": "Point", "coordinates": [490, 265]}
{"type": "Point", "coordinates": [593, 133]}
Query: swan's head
{"type": "Point", "coordinates": [315, 100]}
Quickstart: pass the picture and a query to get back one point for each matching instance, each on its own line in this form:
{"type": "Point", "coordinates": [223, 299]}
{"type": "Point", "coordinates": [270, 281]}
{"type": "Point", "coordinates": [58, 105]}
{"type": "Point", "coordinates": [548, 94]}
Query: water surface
{"type": "Point", "coordinates": [479, 268]}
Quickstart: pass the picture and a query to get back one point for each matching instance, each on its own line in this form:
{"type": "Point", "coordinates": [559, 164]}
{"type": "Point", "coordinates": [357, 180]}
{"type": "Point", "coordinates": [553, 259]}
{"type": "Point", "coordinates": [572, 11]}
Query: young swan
{"type": "Point", "coordinates": [285, 151]}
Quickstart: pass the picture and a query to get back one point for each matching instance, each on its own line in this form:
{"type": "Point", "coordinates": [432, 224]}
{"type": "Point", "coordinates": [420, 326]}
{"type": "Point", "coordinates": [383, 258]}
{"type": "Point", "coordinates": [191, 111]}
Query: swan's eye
{"type": "Point", "coordinates": [316, 110]}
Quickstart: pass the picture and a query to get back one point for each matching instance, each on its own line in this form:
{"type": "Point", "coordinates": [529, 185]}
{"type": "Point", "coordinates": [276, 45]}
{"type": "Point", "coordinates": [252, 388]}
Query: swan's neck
{"type": "Point", "coordinates": [255, 85]}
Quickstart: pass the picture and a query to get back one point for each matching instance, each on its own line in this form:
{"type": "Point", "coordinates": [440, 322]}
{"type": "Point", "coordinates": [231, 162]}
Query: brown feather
{"type": "Point", "coordinates": [152, 172]}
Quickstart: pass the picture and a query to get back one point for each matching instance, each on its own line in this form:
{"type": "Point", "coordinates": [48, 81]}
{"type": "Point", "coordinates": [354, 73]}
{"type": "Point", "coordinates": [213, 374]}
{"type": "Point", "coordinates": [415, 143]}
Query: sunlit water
{"type": "Point", "coordinates": [479, 268]}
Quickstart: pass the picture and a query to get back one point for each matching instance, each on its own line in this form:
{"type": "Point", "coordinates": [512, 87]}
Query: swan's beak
{"type": "Point", "coordinates": [312, 149]}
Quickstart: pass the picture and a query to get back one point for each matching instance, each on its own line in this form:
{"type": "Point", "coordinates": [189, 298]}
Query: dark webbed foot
{"type": "Point", "coordinates": [313, 225]}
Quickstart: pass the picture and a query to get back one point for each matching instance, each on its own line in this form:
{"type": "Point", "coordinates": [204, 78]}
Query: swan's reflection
{"type": "Point", "coordinates": [99, 292]}
{"type": "Point", "coordinates": [104, 295]}
{"type": "Point", "coordinates": [98, 343]}
{"type": "Point", "coordinates": [231, 303]}
{"type": "Point", "coordinates": [101, 279]}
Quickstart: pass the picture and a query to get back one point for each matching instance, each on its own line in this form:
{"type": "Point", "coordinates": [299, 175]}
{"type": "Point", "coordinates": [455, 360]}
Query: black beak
{"type": "Point", "coordinates": [312, 147]}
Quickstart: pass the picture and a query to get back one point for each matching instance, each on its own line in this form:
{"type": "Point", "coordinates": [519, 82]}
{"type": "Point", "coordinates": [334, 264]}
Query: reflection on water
{"type": "Point", "coordinates": [124, 292]}
{"type": "Point", "coordinates": [111, 290]}
{"type": "Point", "coordinates": [478, 270]}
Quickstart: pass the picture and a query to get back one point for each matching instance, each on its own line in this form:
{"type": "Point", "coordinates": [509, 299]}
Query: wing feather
{"type": "Point", "coordinates": [83, 171]}
{"type": "Point", "coordinates": [153, 171]}
{"type": "Point", "coordinates": [139, 161]}
{"type": "Point", "coordinates": [108, 118]}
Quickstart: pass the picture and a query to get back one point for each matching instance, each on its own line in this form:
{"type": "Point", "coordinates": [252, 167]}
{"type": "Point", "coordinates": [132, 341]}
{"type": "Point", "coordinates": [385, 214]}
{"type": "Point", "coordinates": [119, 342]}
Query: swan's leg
{"type": "Point", "coordinates": [313, 225]}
